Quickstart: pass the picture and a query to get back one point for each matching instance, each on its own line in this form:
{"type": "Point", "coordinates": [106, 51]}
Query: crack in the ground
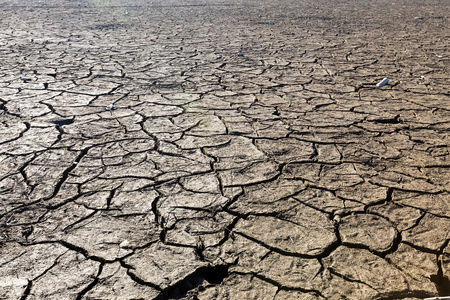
{"type": "Point", "coordinates": [91, 285]}
{"type": "Point", "coordinates": [281, 286]}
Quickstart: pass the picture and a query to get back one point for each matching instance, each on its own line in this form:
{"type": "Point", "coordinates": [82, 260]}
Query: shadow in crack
{"type": "Point", "coordinates": [62, 122]}
{"type": "Point", "coordinates": [213, 275]}
{"type": "Point", "coordinates": [442, 283]}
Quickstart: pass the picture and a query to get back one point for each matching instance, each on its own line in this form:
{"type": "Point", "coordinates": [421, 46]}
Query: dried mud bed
{"type": "Point", "coordinates": [281, 173]}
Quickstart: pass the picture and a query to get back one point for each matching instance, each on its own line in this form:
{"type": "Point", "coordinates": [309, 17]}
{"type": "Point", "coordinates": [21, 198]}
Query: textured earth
{"type": "Point", "coordinates": [222, 149]}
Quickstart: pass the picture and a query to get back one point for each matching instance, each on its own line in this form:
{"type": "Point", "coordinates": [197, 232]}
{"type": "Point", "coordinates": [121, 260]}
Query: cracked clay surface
{"type": "Point", "coordinates": [222, 149]}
